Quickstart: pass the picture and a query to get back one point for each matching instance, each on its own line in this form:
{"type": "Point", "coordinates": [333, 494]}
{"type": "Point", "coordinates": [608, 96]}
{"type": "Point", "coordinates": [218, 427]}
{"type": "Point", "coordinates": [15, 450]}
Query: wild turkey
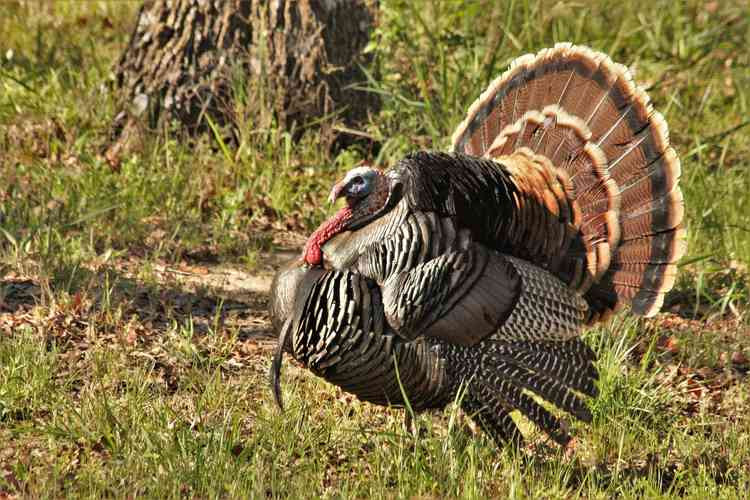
{"type": "Point", "coordinates": [478, 268]}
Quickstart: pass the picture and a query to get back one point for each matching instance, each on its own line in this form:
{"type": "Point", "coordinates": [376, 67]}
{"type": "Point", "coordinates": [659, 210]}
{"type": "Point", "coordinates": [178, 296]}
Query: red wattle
{"type": "Point", "coordinates": [326, 231]}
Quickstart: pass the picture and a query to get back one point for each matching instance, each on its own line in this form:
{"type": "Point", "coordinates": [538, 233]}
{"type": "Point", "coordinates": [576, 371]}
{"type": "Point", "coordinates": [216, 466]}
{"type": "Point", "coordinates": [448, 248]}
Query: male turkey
{"type": "Point", "coordinates": [478, 268]}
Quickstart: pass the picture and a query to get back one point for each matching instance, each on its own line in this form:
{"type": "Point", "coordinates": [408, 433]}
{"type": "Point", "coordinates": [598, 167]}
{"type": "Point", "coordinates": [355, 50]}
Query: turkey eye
{"type": "Point", "coordinates": [358, 180]}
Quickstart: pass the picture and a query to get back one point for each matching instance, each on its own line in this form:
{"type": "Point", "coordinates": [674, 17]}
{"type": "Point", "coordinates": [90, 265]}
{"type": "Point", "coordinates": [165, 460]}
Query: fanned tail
{"type": "Point", "coordinates": [573, 112]}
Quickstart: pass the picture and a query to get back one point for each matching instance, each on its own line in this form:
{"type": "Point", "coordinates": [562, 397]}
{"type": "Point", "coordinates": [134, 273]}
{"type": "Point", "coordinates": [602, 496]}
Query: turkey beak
{"type": "Point", "coordinates": [336, 192]}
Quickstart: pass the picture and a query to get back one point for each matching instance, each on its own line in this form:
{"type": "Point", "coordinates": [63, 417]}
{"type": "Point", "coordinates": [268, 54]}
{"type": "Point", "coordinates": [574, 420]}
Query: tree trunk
{"type": "Point", "coordinates": [242, 63]}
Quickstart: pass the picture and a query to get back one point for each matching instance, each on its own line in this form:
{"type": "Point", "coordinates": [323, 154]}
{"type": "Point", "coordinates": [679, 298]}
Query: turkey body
{"type": "Point", "coordinates": [468, 276]}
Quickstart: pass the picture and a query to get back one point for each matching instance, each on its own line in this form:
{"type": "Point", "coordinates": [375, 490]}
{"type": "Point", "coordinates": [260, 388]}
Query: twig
{"type": "Point", "coordinates": [351, 131]}
{"type": "Point", "coordinates": [721, 135]}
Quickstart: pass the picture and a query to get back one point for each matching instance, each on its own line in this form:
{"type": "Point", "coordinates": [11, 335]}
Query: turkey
{"type": "Point", "coordinates": [467, 276]}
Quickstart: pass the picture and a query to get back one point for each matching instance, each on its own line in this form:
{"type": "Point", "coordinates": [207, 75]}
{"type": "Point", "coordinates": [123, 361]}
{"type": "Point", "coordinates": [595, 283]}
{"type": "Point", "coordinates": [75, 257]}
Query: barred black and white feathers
{"type": "Point", "coordinates": [479, 268]}
{"type": "Point", "coordinates": [338, 328]}
{"type": "Point", "coordinates": [339, 331]}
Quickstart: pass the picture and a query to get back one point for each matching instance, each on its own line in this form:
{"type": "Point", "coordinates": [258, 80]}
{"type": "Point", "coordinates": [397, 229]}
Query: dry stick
{"type": "Point", "coordinates": [721, 135]}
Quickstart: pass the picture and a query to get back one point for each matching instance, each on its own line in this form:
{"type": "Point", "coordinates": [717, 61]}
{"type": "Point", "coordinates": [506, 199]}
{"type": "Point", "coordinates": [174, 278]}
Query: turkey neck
{"type": "Point", "coordinates": [342, 250]}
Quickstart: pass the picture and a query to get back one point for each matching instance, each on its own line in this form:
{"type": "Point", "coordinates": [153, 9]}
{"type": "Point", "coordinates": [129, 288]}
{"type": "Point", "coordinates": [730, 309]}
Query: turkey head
{"type": "Point", "coordinates": [369, 193]}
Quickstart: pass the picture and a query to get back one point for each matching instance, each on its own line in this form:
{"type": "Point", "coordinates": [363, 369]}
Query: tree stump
{"type": "Point", "coordinates": [292, 61]}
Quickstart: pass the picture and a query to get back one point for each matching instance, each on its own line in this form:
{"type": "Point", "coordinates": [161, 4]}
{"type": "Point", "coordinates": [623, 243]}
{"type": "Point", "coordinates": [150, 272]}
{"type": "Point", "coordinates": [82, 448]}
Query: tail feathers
{"type": "Point", "coordinates": [578, 111]}
{"type": "Point", "coordinates": [537, 383]}
{"type": "Point", "coordinates": [567, 363]}
{"type": "Point", "coordinates": [513, 397]}
{"type": "Point", "coordinates": [492, 415]}
{"type": "Point", "coordinates": [555, 371]}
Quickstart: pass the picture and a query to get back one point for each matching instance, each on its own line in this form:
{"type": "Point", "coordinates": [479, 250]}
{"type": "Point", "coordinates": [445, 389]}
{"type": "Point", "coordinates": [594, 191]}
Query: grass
{"type": "Point", "coordinates": [125, 370]}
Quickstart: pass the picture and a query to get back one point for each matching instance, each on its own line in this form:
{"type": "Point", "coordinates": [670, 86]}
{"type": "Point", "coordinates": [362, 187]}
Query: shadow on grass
{"type": "Point", "coordinates": [171, 322]}
{"type": "Point", "coordinates": [157, 304]}
{"type": "Point", "coordinates": [208, 308]}
{"type": "Point", "coordinates": [212, 300]}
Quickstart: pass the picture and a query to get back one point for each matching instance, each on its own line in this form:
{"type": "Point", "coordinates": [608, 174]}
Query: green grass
{"type": "Point", "coordinates": [118, 377]}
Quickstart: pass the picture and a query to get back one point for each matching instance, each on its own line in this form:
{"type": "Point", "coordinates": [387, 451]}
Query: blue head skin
{"type": "Point", "coordinates": [358, 183]}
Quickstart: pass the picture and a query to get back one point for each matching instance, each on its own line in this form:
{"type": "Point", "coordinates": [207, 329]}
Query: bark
{"type": "Point", "coordinates": [243, 63]}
